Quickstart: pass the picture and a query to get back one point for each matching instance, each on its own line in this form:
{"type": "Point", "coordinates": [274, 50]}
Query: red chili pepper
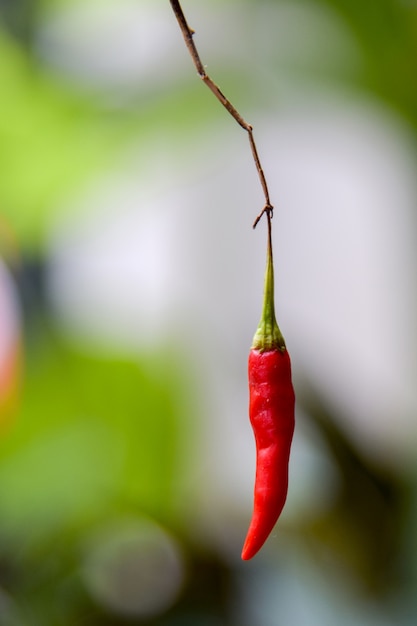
{"type": "Point", "coordinates": [271, 411]}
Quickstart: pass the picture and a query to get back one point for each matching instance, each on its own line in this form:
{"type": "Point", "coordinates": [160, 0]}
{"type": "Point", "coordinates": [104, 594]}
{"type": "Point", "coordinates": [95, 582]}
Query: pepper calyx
{"type": "Point", "coordinates": [268, 335]}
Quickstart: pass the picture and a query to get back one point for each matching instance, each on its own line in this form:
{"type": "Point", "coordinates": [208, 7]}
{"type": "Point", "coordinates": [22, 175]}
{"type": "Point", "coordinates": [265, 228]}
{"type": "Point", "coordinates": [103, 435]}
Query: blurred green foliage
{"type": "Point", "coordinates": [91, 432]}
{"type": "Point", "coordinates": [95, 438]}
{"type": "Point", "coordinates": [55, 139]}
{"type": "Point", "coordinates": [387, 35]}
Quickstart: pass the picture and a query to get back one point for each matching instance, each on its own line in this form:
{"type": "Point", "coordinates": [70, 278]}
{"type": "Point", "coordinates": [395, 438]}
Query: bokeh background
{"type": "Point", "coordinates": [130, 288]}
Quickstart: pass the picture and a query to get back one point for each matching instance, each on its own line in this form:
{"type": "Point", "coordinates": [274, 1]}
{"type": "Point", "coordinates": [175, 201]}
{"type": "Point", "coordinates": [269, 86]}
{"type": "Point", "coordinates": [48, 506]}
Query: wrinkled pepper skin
{"type": "Point", "coordinates": [271, 412]}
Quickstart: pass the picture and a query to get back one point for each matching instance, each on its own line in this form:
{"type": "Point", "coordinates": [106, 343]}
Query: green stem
{"type": "Point", "coordinates": [268, 335]}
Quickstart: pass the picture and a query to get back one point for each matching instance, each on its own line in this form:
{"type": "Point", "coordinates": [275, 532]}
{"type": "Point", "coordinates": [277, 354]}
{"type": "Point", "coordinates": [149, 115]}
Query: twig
{"type": "Point", "coordinates": [188, 33]}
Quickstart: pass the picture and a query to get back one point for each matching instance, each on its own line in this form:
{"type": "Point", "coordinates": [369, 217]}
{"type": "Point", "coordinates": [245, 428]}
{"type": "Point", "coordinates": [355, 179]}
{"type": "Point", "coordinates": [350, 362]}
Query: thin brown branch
{"type": "Point", "coordinates": [187, 34]}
